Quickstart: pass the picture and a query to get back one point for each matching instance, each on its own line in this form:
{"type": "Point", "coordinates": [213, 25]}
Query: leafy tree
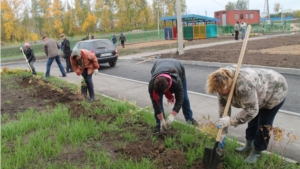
{"type": "Point", "coordinates": [26, 20]}
{"type": "Point", "coordinates": [277, 7]}
{"type": "Point", "coordinates": [297, 14]}
{"type": "Point", "coordinates": [36, 17]}
{"type": "Point", "coordinates": [79, 12]}
{"type": "Point", "coordinates": [241, 5]}
{"type": "Point", "coordinates": [230, 6]}
{"type": "Point", "coordinates": [7, 20]}
{"type": "Point", "coordinates": [57, 16]}
{"type": "Point", "coordinates": [105, 23]}
{"type": "Point", "coordinates": [68, 22]}
{"type": "Point", "coordinates": [89, 25]}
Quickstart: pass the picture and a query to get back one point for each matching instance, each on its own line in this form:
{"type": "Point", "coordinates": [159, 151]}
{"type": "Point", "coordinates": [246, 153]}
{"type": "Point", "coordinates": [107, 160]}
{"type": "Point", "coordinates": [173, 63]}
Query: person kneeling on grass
{"type": "Point", "coordinates": [260, 93]}
{"type": "Point", "coordinates": [84, 63]}
{"type": "Point", "coordinates": [168, 77]}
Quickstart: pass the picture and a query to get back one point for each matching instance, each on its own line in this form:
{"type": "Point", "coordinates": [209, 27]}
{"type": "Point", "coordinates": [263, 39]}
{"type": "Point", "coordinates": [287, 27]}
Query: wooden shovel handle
{"type": "Point", "coordinates": [237, 70]}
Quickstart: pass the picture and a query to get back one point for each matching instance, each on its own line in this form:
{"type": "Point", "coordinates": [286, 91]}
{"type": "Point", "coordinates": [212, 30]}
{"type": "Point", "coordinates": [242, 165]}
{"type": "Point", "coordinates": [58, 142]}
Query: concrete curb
{"type": "Point", "coordinates": [282, 70]}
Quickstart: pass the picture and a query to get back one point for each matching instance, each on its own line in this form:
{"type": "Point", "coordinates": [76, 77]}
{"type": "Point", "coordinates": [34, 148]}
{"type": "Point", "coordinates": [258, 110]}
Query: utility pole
{"type": "Point", "coordinates": [157, 18]}
{"type": "Point", "coordinates": [266, 13]}
{"type": "Point", "coordinates": [281, 13]}
{"type": "Point", "coordinates": [179, 28]}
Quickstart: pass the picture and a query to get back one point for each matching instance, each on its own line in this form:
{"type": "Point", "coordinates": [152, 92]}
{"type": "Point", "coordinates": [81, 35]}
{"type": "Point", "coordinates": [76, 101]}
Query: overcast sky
{"type": "Point", "coordinates": [200, 6]}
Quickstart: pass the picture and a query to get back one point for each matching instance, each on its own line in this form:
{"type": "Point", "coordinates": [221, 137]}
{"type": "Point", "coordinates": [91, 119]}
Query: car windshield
{"type": "Point", "coordinates": [100, 44]}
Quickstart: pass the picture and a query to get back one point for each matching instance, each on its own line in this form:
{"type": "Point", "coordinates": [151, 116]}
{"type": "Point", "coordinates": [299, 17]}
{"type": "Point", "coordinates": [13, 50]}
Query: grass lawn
{"type": "Point", "coordinates": [48, 124]}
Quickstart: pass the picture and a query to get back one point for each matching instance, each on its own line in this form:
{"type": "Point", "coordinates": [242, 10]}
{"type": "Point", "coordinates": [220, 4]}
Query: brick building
{"type": "Point", "coordinates": [230, 17]}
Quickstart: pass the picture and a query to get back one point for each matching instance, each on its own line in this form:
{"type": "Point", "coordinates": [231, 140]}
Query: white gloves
{"type": "Point", "coordinates": [223, 122]}
{"type": "Point", "coordinates": [95, 71]}
{"type": "Point", "coordinates": [171, 118]}
{"type": "Point", "coordinates": [21, 48]}
{"type": "Point", "coordinates": [163, 125]}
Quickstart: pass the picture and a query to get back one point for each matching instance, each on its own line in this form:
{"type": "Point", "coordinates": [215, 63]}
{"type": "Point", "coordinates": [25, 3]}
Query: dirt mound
{"type": "Point", "coordinates": [20, 94]}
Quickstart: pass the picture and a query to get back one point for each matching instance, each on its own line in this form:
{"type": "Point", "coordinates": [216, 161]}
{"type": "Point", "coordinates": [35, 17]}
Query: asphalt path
{"type": "Point", "coordinates": [196, 77]}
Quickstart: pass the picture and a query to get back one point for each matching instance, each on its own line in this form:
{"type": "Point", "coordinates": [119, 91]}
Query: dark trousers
{"type": "Point", "coordinates": [32, 67]}
{"type": "Point", "coordinates": [123, 43]}
{"type": "Point", "coordinates": [89, 82]}
{"type": "Point", "coordinates": [186, 108]}
{"type": "Point", "coordinates": [257, 129]}
{"type": "Point", "coordinates": [236, 37]}
{"type": "Point", "coordinates": [68, 63]}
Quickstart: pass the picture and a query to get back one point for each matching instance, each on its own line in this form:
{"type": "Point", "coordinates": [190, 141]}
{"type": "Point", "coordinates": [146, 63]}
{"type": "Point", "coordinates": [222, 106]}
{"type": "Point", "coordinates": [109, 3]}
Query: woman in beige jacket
{"type": "Point", "coordinates": [260, 93]}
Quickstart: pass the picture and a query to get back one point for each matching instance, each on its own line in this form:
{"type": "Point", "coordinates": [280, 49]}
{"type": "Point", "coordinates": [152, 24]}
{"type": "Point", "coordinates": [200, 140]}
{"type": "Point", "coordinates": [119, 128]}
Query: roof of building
{"type": "Point", "coordinates": [189, 17]}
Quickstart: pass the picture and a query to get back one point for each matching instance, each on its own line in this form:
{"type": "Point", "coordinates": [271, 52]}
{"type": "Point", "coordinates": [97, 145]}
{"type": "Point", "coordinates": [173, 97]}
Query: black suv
{"type": "Point", "coordinates": [103, 48]}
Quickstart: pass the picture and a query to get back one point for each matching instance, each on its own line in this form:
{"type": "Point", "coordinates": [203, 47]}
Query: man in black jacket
{"type": "Point", "coordinates": [65, 45]}
{"type": "Point", "coordinates": [168, 78]}
{"type": "Point", "coordinates": [122, 39]}
{"type": "Point", "coordinates": [30, 56]}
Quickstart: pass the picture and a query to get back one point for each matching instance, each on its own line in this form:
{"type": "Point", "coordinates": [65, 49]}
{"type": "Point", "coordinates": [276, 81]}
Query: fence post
{"type": "Point", "coordinates": [128, 37]}
{"type": "Point", "coordinates": [289, 26]}
{"type": "Point", "coordinates": [160, 34]}
{"type": "Point", "coordinates": [71, 43]}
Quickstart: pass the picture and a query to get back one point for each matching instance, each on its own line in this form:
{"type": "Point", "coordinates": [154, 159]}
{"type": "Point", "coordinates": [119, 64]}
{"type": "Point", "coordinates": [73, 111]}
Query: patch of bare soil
{"type": "Point", "coordinates": [258, 52]}
{"type": "Point", "coordinates": [22, 93]}
{"type": "Point", "coordinates": [35, 93]}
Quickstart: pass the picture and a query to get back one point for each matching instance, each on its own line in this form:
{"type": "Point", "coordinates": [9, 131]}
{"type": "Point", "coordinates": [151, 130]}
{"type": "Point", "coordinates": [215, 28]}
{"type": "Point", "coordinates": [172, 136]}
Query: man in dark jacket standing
{"type": "Point", "coordinates": [168, 78]}
{"type": "Point", "coordinates": [30, 56]}
{"type": "Point", "coordinates": [67, 52]}
{"type": "Point", "coordinates": [236, 29]}
{"type": "Point", "coordinates": [122, 39]}
{"type": "Point", "coordinates": [51, 49]}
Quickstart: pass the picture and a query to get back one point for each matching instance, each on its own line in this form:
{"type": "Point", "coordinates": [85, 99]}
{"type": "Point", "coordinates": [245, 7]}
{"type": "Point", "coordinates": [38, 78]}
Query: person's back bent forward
{"type": "Point", "coordinates": [168, 78]}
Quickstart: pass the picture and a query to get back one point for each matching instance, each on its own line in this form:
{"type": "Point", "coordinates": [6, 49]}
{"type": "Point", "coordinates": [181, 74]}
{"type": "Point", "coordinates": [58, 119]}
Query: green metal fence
{"type": "Point", "coordinates": [131, 37]}
{"type": "Point", "coordinates": [263, 28]}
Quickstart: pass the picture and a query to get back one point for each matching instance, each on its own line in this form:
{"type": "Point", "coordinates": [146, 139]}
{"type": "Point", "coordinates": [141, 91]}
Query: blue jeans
{"type": "Point", "coordinates": [243, 33]}
{"type": "Point", "coordinates": [49, 63]}
{"type": "Point", "coordinates": [186, 108]}
{"type": "Point", "coordinates": [256, 129]}
{"type": "Point", "coordinates": [89, 82]}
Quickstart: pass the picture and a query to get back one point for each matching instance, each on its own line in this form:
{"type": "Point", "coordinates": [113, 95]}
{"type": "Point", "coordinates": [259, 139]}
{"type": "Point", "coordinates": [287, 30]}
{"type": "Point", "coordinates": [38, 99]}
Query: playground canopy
{"type": "Point", "coordinates": [190, 17]}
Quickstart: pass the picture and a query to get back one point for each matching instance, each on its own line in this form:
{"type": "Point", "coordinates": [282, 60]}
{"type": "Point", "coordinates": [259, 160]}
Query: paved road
{"type": "Point", "coordinates": [196, 78]}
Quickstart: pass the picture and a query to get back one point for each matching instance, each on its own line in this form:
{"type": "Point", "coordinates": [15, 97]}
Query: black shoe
{"type": "Point", "coordinates": [62, 76]}
{"type": "Point", "coordinates": [156, 129]}
{"type": "Point", "coordinates": [91, 100]}
{"type": "Point", "coordinates": [192, 122]}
